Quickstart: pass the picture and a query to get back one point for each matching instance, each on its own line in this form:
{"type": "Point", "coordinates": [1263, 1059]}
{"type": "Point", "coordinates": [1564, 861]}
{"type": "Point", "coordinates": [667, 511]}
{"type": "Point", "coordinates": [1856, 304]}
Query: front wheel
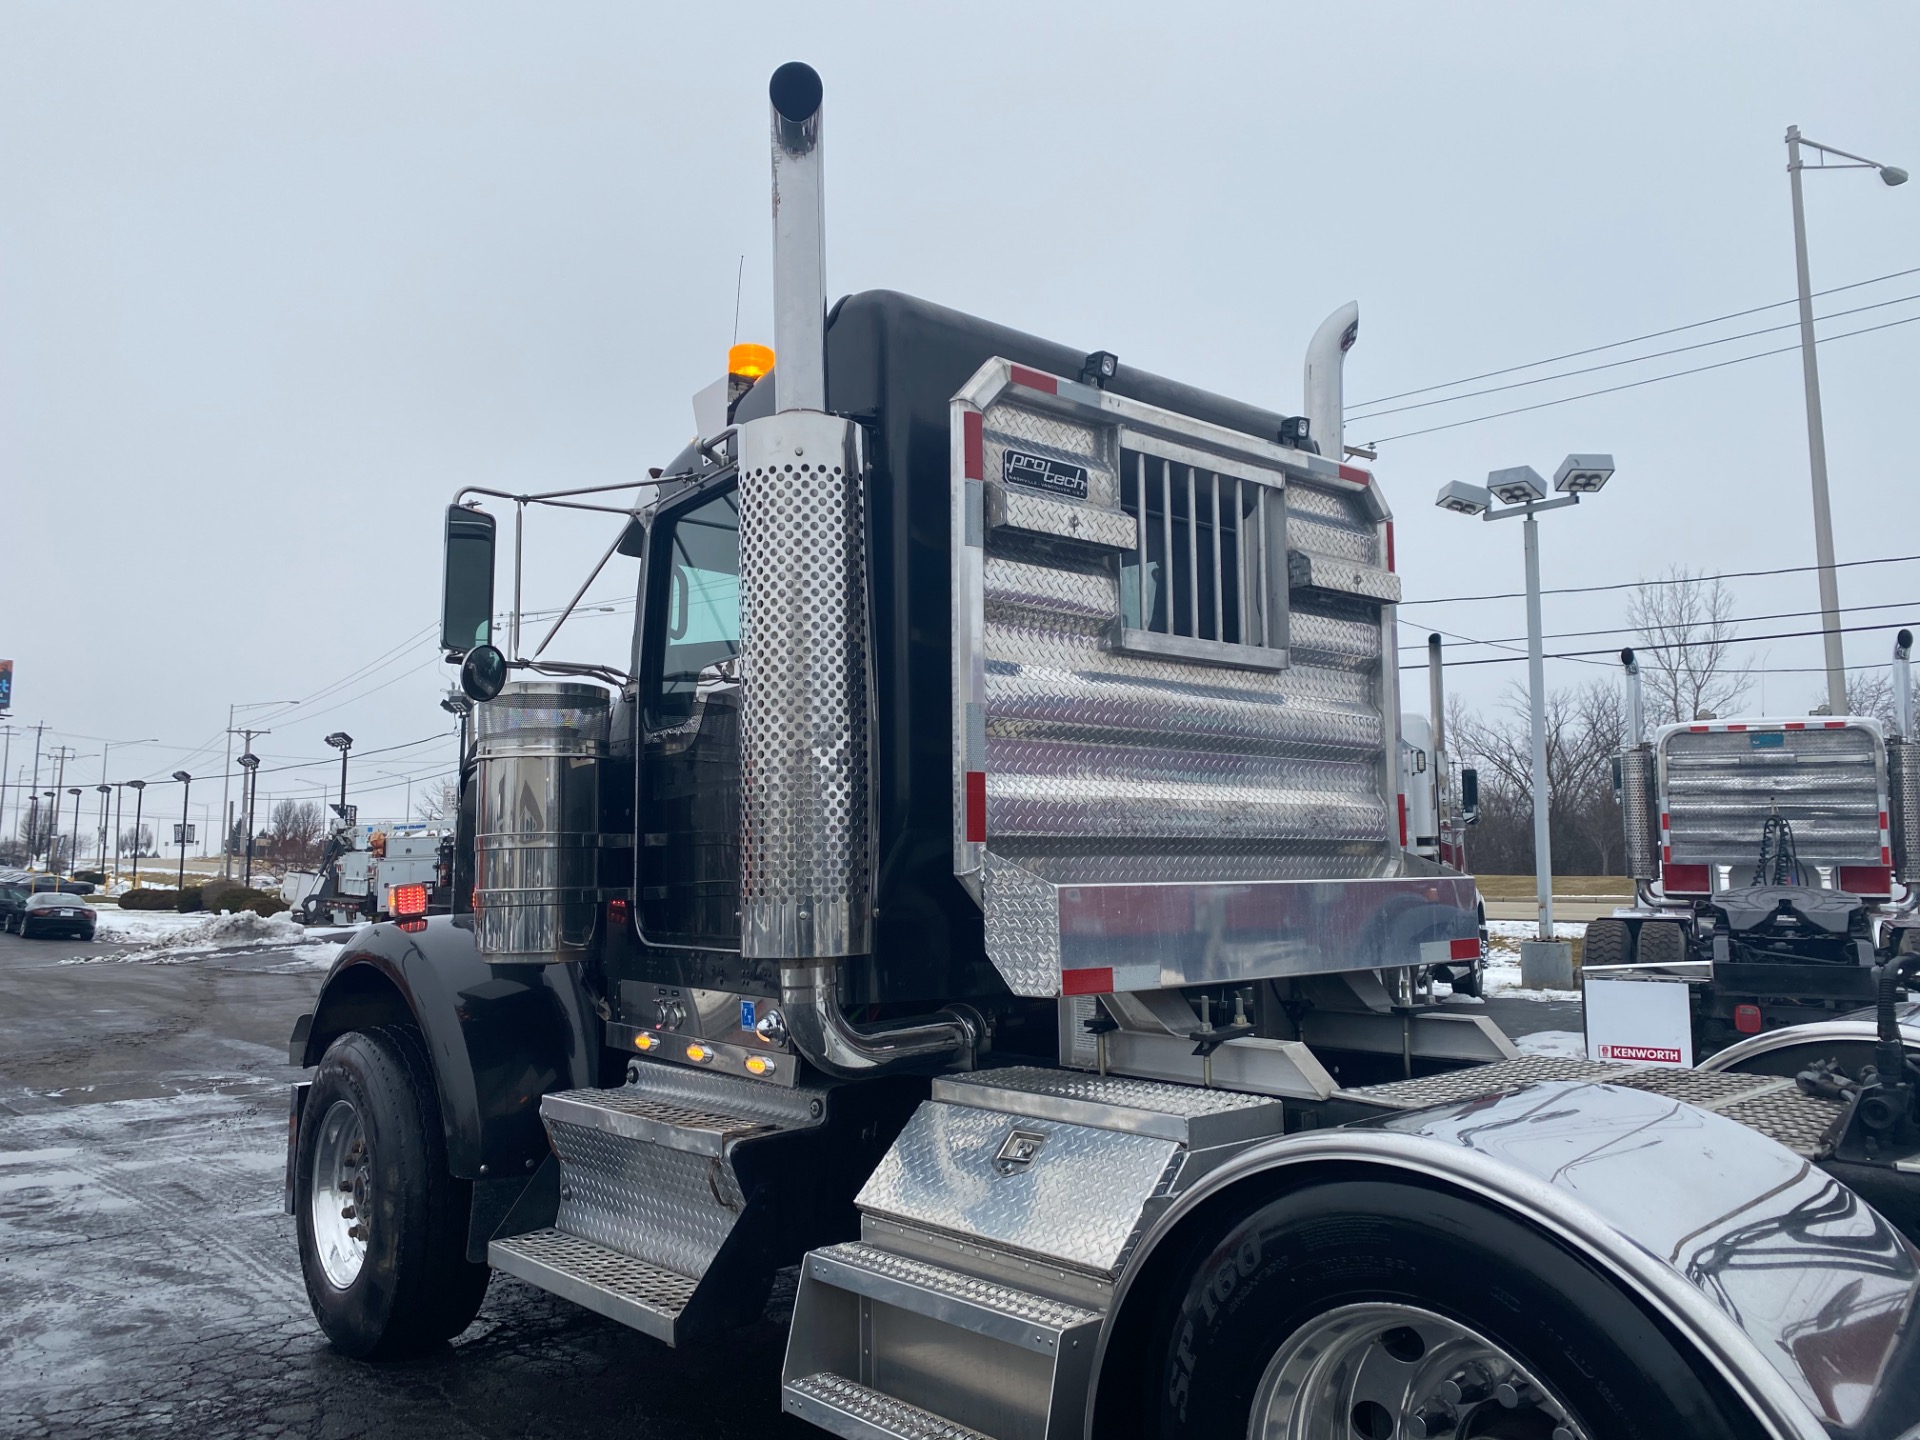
{"type": "Point", "coordinates": [1375, 1310]}
{"type": "Point", "coordinates": [382, 1224]}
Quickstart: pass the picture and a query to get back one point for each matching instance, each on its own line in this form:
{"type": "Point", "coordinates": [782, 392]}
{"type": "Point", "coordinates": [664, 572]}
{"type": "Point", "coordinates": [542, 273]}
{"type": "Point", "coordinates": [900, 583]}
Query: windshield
{"type": "Point", "coordinates": [48, 898]}
{"type": "Point", "coordinates": [702, 602]}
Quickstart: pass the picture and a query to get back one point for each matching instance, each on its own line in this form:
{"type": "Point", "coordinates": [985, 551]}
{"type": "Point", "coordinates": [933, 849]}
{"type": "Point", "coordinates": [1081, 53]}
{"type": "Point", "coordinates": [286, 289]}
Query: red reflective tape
{"type": "Point", "coordinates": [1033, 379]}
{"type": "Point", "coordinates": [1355, 474]}
{"type": "Point", "coordinates": [1699, 729]}
{"type": "Point", "coordinates": [1403, 821]}
{"type": "Point", "coordinates": [1796, 724]}
{"type": "Point", "coordinates": [1087, 982]}
{"type": "Point", "coordinates": [1732, 728]}
{"type": "Point", "coordinates": [975, 449]}
{"type": "Point", "coordinates": [1883, 819]}
{"type": "Point", "coordinates": [1464, 950]}
{"type": "Point", "coordinates": [1389, 545]}
{"type": "Point", "coordinates": [1886, 857]}
{"type": "Point", "coordinates": [1666, 852]}
{"type": "Point", "coordinates": [976, 805]}
{"type": "Point", "coordinates": [1666, 821]}
{"type": "Point", "coordinates": [1836, 724]}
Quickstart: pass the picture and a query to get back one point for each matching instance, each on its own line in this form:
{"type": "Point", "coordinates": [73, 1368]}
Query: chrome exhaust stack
{"type": "Point", "coordinates": [806, 851]}
{"type": "Point", "coordinates": [1903, 768]}
{"type": "Point", "coordinates": [1639, 801]}
{"type": "Point", "coordinates": [1324, 393]}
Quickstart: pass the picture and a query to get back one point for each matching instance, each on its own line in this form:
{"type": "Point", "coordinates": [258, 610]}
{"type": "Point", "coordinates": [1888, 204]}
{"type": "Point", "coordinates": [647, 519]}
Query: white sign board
{"type": "Point", "coordinates": [1646, 1022]}
{"type": "Point", "coordinates": [183, 834]}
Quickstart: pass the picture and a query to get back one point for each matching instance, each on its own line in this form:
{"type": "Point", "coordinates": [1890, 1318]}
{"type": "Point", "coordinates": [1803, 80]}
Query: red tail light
{"type": "Point", "coordinates": [617, 912]}
{"type": "Point", "coordinates": [407, 900]}
{"type": "Point", "coordinates": [1866, 880]}
{"type": "Point", "coordinates": [1684, 879]}
{"type": "Point", "coordinates": [1746, 1019]}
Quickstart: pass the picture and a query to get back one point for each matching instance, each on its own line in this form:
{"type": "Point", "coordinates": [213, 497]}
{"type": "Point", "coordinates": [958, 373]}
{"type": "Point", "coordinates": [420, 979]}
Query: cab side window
{"type": "Point", "coordinates": [700, 594]}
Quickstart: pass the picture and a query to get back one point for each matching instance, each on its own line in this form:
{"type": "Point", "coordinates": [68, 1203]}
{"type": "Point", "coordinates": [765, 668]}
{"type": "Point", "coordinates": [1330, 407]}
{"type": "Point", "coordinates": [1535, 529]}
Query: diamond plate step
{"type": "Point", "coordinates": [622, 1288]}
{"type": "Point", "coordinates": [846, 1407]}
{"type": "Point", "coordinates": [983, 1307]}
{"type": "Point", "coordinates": [1189, 1114]}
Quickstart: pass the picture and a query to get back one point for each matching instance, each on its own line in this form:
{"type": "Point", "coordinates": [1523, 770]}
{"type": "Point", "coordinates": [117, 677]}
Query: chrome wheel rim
{"type": "Point", "coordinates": [1395, 1372]}
{"type": "Point", "coordinates": [338, 1196]}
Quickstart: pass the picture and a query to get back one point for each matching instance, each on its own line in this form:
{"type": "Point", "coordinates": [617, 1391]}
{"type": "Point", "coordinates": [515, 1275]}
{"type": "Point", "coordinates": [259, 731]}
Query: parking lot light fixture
{"type": "Point", "coordinates": [342, 742]}
{"type": "Point", "coordinates": [1521, 490]}
{"type": "Point", "coordinates": [186, 823]}
{"type": "Point", "coordinates": [139, 796]}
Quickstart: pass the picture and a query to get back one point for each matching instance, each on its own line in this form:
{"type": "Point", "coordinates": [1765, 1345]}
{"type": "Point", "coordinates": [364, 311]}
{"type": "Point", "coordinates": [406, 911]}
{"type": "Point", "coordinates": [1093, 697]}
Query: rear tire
{"type": "Point", "coordinates": [1608, 942]}
{"type": "Point", "coordinates": [1444, 1265]}
{"type": "Point", "coordinates": [1661, 942]}
{"type": "Point", "coordinates": [371, 1129]}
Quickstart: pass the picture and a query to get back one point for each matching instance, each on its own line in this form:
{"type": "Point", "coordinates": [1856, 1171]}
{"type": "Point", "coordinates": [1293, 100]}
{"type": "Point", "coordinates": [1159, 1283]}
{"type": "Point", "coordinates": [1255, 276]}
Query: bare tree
{"type": "Point", "coordinates": [1869, 693]}
{"type": "Point", "coordinates": [1685, 633]}
{"type": "Point", "coordinates": [439, 802]}
{"type": "Point", "coordinates": [137, 842]}
{"type": "Point", "coordinates": [295, 831]}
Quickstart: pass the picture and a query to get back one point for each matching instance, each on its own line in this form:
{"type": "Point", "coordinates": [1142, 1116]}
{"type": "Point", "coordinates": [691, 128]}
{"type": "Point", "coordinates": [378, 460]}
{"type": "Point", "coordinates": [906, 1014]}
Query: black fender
{"type": "Point", "coordinates": [500, 1036]}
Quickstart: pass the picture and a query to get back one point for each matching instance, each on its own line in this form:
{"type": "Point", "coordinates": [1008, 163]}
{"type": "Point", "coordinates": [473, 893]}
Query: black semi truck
{"type": "Point", "coordinates": [983, 889]}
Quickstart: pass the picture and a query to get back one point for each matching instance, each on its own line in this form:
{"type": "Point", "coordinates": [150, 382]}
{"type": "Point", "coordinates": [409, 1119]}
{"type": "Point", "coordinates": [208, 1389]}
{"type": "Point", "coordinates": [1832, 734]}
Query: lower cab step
{"type": "Point", "coordinates": [645, 1296]}
{"type": "Point", "coordinates": [846, 1407]}
{"type": "Point", "coordinates": [890, 1345]}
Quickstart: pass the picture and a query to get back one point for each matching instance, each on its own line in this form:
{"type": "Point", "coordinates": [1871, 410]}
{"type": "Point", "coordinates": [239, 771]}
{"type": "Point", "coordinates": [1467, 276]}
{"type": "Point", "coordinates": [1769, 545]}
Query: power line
{"type": "Point", "coordinates": [1630, 360]}
{"type": "Point", "coordinates": [1668, 645]}
{"type": "Point", "coordinates": [1617, 344]}
{"type": "Point", "coordinates": [1678, 624]}
{"type": "Point", "coordinates": [1636, 384]}
{"type": "Point", "coordinates": [1663, 580]}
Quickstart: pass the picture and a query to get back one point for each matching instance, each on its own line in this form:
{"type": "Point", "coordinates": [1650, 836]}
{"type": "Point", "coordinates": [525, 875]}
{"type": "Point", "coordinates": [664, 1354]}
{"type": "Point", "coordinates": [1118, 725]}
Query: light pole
{"type": "Point", "coordinates": [186, 823]}
{"type": "Point", "coordinates": [342, 742]}
{"type": "Point", "coordinates": [139, 795]}
{"type": "Point", "coordinates": [251, 762]}
{"type": "Point", "coordinates": [105, 790]}
{"type": "Point", "coordinates": [1523, 492]}
{"type": "Point", "coordinates": [76, 792]}
{"type": "Point", "coordinates": [1816, 426]}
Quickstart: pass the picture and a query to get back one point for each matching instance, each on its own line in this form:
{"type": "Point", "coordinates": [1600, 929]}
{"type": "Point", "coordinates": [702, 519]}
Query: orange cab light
{"type": "Point", "coordinates": [644, 1041]}
{"type": "Point", "coordinates": [750, 361]}
{"type": "Point", "coordinates": [699, 1054]}
{"type": "Point", "coordinates": [408, 899]}
{"type": "Point", "coordinates": [759, 1065]}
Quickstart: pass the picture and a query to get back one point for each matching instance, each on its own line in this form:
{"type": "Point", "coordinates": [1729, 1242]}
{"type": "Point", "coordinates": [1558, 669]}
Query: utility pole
{"type": "Point", "coordinates": [33, 819]}
{"type": "Point", "coordinates": [226, 838]}
{"type": "Point", "coordinates": [6, 764]}
{"type": "Point", "coordinates": [226, 774]}
{"type": "Point", "coordinates": [53, 813]}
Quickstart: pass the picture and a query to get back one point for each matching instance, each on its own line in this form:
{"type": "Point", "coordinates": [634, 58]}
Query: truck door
{"type": "Point", "coordinates": [689, 772]}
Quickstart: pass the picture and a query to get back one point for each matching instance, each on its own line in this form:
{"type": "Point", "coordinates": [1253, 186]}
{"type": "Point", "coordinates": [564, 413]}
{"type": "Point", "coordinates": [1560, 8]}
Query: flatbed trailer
{"type": "Point", "coordinates": [983, 891]}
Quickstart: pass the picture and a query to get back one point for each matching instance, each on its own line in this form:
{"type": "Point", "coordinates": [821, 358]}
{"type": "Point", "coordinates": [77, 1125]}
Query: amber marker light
{"type": "Point", "coordinates": [644, 1041]}
{"type": "Point", "coordinates": [750, 362]}
{"type": "Point", "coordinates": [699, 1054]}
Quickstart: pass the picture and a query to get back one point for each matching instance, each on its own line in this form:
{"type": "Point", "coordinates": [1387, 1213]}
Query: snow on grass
{"type": "Point", "coordinates": [1503, 957]}
{"type": "Point", "coordinates": [160, 938]}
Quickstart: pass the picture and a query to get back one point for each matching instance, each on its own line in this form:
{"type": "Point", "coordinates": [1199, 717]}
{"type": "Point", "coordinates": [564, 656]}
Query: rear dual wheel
{"type": "Point", "coordinates": [1364, 1310]}
{"type": "Point", "coordinates": [382, 1223]}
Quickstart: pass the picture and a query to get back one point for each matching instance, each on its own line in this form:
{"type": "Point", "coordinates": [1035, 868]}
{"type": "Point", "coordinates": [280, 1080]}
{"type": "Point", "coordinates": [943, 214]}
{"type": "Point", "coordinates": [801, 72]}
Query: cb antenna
{"type": "Point", "coordinates": [738, 273]}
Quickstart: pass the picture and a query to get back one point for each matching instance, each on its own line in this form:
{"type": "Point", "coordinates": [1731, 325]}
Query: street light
{"type": "Point", "coordinates": [139, 796]}
{"type": "Point", "coordinates": [226, 772]}
{"type": "Point", "coordinates": [76, 792]}
{"type": "Point", "coordinates": [105, 790]}
{"type": "Point", "coordinates": [1816, 426]}
{"type": "Point", "coordinates": [342, 742]}
{"type": "Point", "coordinates": [186, 824]}
{"type": "Point", "coordinates": [1523, 492]}
{"type": "Point", "coordinates": [250, 762]}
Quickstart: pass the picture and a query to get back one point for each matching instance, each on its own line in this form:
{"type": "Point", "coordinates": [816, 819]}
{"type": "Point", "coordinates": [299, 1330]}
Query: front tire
{"type": "Point", "coordinates": [1371, 1309]}
{"type": "Point", "coordinates": [382, 1223]}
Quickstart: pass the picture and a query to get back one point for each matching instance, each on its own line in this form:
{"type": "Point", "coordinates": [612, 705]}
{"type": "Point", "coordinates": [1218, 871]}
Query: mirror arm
{"type": "Point", "coordinates": [616, 678]}
{"type": "Point", "coordinates": [581, 592]}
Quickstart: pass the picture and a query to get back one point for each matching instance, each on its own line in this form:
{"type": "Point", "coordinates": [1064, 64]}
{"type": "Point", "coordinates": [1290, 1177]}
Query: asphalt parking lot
{"type": "Point", "coordinates": [148, 1275]}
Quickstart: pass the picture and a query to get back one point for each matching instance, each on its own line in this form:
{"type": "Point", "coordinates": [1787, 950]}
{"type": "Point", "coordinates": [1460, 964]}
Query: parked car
{"type": "Point", "coordinates": [55, 912]}
{"type": "Point", "coordinates": [13, 903]}
{"type": "Point", "coordinates": [63, 884]}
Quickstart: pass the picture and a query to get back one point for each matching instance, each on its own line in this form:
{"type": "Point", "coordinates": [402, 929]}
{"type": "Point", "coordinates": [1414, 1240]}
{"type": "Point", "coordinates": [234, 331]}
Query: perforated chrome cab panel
{"type": "Point", "coordinates": [804, 815]}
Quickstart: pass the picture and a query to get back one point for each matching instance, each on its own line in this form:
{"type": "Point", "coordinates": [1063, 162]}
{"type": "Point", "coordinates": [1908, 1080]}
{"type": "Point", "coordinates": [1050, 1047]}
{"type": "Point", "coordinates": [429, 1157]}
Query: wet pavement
{"type": "Point", "coordinates": [148, 1276]}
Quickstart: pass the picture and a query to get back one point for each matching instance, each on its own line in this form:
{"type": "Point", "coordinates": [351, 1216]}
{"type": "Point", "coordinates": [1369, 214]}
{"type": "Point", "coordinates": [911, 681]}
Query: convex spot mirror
{"type": "Point", "coordinates": [482, 674]}
{"type": "Point", "coordinates": [466, 594]}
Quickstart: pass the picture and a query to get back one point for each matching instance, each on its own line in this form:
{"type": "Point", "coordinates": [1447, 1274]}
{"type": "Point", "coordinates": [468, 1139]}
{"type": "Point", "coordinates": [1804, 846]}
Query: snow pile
{"type": "Point", "coordinates": [1503, 957]}
{"type": "Point", "coordinates": [217, 932]}
{"type": "Point", "coordinates": [142, 927]}
{"type": "Point", "coordinates": [1560, 1044]}
{"type": "Point", "coordinates": [167, 939]}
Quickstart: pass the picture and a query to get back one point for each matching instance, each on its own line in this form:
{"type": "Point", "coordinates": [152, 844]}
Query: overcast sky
{"type": "Point", "coordinates": [275, 280]}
